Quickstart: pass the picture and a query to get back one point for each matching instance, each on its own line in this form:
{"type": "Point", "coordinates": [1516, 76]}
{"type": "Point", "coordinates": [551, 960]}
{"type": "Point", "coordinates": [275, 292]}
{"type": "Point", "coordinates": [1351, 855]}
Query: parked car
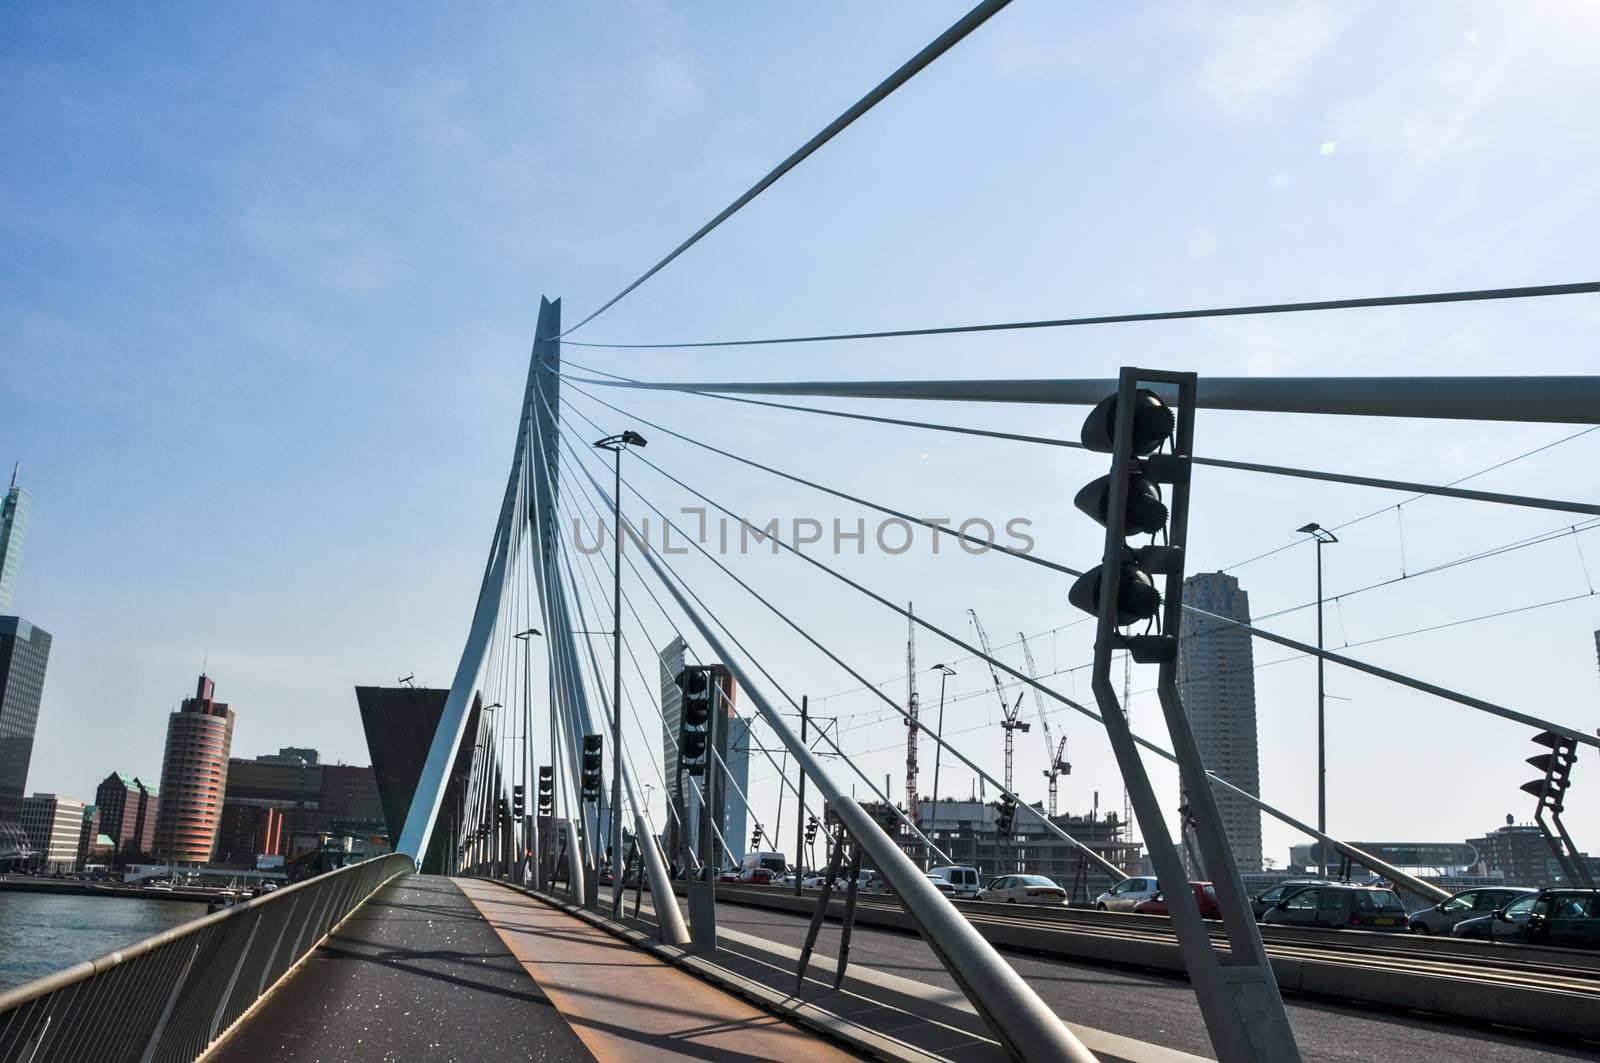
{"type": "Point", "coordinates": [1338, 907]}
{"type": "Point", "coordinates": [1503, 925]}
{"type": "Point", "coordinates": [963, 880]}
{"type": "Point", "coordinates": [1023, 889]}
{"type": "Point", "coordinates": [759, 876]}
{"type": "Point", "coordinates": [1205, 895]}
{"type": "Point", "coordinates": [1569, 918]}
{"type": "Point", "coordinates": [1268, 897]}
{"type": "Point", "coordinates": [1127, 893]}
{"type": "Point", "coordinates": [1468, 904]}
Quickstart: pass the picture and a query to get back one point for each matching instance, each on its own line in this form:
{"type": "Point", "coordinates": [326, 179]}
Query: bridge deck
{"type": "Point", "coordinates": [426, 971]}
{"type": "Point", "coordinates": [625, 1003]}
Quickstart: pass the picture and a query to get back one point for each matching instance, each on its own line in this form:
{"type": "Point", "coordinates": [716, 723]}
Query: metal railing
{"type": "Point", "coordinates": [168, 997]}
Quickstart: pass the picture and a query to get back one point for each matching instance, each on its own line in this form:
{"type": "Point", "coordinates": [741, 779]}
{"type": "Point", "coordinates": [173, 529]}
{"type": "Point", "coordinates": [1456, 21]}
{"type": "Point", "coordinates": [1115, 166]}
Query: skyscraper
{"type": "Point", "coordinates": [1216, 679]}
{"type": "Point", "coordinates": [127, 808]}
{"type": "Point", "coordinates": [24, 652]}
{"type": "Point", "coordinates": [194, 776]}
{"type": "Point", "coordinates": [13, 529]}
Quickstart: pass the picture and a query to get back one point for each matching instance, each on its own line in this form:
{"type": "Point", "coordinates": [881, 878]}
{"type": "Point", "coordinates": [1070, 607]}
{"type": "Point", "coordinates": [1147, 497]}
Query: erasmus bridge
{"type": "Point", "coordinates": [569, 920]}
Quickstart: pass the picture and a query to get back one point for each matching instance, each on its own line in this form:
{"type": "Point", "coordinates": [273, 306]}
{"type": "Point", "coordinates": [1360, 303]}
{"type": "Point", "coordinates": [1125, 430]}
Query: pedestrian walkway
{"type": "Point", "coordinates": [413, 974]}
{"type": "Point", "coordinates": [625, 1003]}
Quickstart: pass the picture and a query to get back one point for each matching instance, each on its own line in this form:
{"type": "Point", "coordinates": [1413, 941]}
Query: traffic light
{"type": "Point", "coordinates": [516, 800]}
{"type": "Point", "coordinates": [547, 791]}
{"type": "Point", "coordinates": [592, 780]}
{"type": "Point", "coordinates": [1139, 470]}
{"type": "Point", "coordinates": [1006, 818]}
{"type": "Point", "coordinates": [1557, 767]}
{"type": "Point", "coordinates": [698, 684]}
{"type": "Point", "coordinates": [755, 837]}
{"type": "Point", "coordinates": [811, 830]}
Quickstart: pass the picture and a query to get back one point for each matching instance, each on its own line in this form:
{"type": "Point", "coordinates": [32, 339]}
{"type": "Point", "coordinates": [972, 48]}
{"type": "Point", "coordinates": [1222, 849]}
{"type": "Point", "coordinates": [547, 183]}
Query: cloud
{"type": "Point", "coordinates": [1257, 58]}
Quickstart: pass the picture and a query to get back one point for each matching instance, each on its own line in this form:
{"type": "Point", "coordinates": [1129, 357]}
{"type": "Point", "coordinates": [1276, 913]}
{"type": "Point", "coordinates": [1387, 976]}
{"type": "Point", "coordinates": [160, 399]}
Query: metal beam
{"type": "Point", "coordinates": [1547, 399]}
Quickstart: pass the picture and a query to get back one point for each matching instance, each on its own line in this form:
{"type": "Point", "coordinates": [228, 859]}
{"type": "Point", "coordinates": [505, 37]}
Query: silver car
{"type": "Point", "coordinates": [1127, 893]}
{"type": "Point", "coordinates": [1270, 897]}
{"type": "Point", "coordinates": [1468, 904]}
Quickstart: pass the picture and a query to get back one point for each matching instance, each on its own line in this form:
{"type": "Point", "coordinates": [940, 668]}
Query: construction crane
{"type": "Point", "coordinates": [912, 729]}
{"type": "Point", "coordinates": [1008, 712]}
{"type": "Point", "coordinates": [1057, 752]}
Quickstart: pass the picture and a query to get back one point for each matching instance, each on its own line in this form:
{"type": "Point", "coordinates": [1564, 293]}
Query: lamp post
{"type": "Point", "coordinates": [529, 826]}
{"type": "Point", "coordinates": [617, 444]}
{"type": "Point", "coordinates": [945, 672]}
{"type": "Point", "coordinates": [1323, 537]}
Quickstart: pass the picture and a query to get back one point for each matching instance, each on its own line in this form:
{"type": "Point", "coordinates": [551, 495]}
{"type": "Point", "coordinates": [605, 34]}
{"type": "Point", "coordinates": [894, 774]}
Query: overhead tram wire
{"type": "Point", "coordinates": [1423, 490]}
{"type": "Point", "coordinates": [1468, 296]}
{"type": "Point", "coordinates": [1401, 679]}
{"type": "Point", "coordinates": [913, 66]}
{"type": "Point", "coordinates": [1417, 684]}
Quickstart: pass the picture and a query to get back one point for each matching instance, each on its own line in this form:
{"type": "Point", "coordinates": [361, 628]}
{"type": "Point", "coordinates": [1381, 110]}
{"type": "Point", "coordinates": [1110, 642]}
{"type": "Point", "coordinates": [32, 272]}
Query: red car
{"type": "Point", "coordinates": [1204, 894]}
{"type": "Point", "coordinates": [757, 876]}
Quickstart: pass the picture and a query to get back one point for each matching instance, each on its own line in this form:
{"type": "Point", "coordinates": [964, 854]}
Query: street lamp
{"type": "Point", "coordinates": [617, 444]}
{"type": "Point", "coordinates": [938, 742]}
{"type": "Point", "coordinates": [529, 828]}
{"type": "Point", "coordinates": [1323, 537]}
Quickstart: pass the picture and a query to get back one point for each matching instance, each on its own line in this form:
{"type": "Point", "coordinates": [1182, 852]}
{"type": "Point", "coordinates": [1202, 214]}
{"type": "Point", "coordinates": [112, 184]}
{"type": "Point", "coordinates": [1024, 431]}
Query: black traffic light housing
{"type": "Point", "coordinates": [1150, 457]}
{"type": "Point", "coordinates": [1551, 790]}
{"type": "Point", "coordinates": [593, 748]}
{"type": "Point", "coordinates": [517, 803]}
{"type": "Point", "coordinates": [547, 790]}
{"type": "Point", "coordinates": [755, 837]}
{"type": "Point", "coordinates": [698, 684]}
{"type": "Point", "coordinates": [1006, 818]}
{"type": "Point", "coordinates": [811, 829]}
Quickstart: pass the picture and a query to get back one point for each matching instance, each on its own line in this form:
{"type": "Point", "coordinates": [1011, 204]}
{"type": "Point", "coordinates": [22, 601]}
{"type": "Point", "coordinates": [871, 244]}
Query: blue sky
{"type": "Point", "coordinates": [271, 280]}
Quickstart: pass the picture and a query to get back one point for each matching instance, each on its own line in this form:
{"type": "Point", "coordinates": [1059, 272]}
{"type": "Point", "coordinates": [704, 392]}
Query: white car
{"type": "Point", "coordinates": [1023, 889]}
{"type": "Point", "coordinates": [1127, 893]}
{"type": "Point", "coordinates": [963, 881]}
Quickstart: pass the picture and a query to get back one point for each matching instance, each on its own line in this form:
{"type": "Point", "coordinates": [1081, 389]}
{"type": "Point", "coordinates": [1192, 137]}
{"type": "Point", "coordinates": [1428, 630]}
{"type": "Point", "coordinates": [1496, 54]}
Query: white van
{"type": "Point", "coordinates": [773, 862]}
{"type": "Point", "coordinates": [963, 880]}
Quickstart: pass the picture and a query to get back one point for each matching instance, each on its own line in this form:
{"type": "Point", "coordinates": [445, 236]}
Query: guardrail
{"type": "Point", "coordinates": [168, 997]}
{"type": "Point", "coordinates": [1547, 990]}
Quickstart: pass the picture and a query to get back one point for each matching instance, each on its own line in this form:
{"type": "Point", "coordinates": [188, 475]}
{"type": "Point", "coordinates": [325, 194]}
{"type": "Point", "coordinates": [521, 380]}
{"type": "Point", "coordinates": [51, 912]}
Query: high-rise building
{"type": "Point", "coordinates": [13, 529]}
{"type": "Point", "coordinates": [350, 803]}
{"type": "Point", "coordinates": [127, 808]}
{"type": "Point", "coordinates": [24, 652]}
{"type": "Point", "coordinates": [246, 832]}
{"type": "Point", "coordinates": [54, 826]}
{"type": "Point", "coordinates": [1216, 679]}
{"type": "Point", "coordinates": [400, 723]}
{"type": "Point", "coordinates": [194, 777]}
{"type": "Point", "coordinates": [736, 815]}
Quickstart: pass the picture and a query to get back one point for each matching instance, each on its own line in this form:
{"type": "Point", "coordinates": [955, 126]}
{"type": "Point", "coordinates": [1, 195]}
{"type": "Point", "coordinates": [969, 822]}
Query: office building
{"type": "Point", "coordinates": [13, 529]}
{"type": "Point", "coordinates": [1216, 679]}
{"type": "Point", "coordinates": [736, 825]}
{"type": "Point", "coordinates": [54, 826]}
{"type": "Point", "coordinates": [245, 833]}
{"type": "Point", "coordinates": [290, 784]}
{"type": "Point", "coordinates": [194, 777]}
{"type": "Point", "coordinates": [127, 810]}
{"type": "Point", "coordinates": [24, 652]}
{"type": "Point", "coordinates": [1519, 852]}
{"type": "Point", "coordinates": [349, 802]}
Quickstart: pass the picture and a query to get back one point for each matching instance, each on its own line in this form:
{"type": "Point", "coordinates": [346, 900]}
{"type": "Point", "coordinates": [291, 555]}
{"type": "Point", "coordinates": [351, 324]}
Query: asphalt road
{"type": "Point", "coordinates": [1162, 1010]}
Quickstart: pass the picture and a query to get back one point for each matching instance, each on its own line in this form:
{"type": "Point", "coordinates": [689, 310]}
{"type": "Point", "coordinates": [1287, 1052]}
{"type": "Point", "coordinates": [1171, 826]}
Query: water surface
{"type": "Point", "coordinates": [44, 932]}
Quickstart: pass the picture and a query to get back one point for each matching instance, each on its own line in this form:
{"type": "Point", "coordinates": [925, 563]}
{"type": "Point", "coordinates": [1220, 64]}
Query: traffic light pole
{"type": "Point", "coordinates": [800, 814]}
{"type": "Point", "coordinates": [616, 689]}
{"type": "Point", "coordinates": [1241, 1004]}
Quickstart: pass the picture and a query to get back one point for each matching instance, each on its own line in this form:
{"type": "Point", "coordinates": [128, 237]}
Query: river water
{"type": "Point", "coordinates": [44, 932]}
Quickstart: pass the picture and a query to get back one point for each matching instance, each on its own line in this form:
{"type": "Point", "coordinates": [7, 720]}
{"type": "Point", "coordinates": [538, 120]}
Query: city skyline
{"type": "Point", "coordinates": [355, 406]}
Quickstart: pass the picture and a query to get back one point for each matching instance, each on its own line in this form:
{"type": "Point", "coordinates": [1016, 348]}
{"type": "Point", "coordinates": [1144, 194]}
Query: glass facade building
{"type": "Point", "coordinates": [24, 652]}
{"type": "Point", "coordinates": [13, 529]}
